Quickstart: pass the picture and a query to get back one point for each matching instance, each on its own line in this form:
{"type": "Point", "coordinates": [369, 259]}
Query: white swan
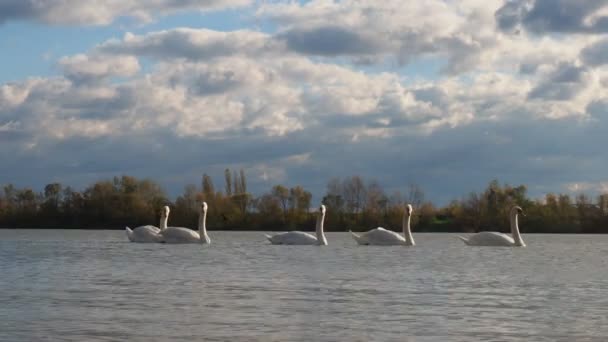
{"type": "Point", "coordinates": [149, 233]}
{"type": "Point", "coordinates": [499, 239]}
{"type": "Point", "coordinates": [186, 235]}
{"type": "Point", "coordinates": [301, 238]}
{"type": "Point", "coordinates": [383, 237]}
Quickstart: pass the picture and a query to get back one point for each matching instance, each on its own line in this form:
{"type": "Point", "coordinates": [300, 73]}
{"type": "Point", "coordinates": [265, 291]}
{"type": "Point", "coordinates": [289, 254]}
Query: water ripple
{"type": "Point", "coordinates": [78, 285]}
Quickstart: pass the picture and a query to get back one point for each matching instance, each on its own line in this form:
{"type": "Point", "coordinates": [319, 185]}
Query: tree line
{"type": "Point", "coordinates": [353, 203]}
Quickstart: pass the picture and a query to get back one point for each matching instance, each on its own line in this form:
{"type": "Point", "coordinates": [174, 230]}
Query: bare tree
{"type": "Point", "coordinates": [243, 181]}
{"type": "Point", "coordinates": [415, 195]}
{"type": "Point", "coordinates": [602, 203]}
{"type": "Point", "coordinates": [281, 193]}
{"type": "Point", "coordinates": [228, 179]}
{"type": "Point", "coordinates": [208, 188]}
{"type": "Point", "coordinates": [236, 183]}
{"type": "Point", "coordinates": [354, 193]}
{"type": "Point", "coordinates": [376, 200]}
{"type": "Point", "coordinates": [240, 196]}
{"type": "Point", "coordinates": [334, 187]}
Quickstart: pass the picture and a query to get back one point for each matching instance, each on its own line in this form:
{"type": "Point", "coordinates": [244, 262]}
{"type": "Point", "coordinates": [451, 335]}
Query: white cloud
{"type": "Point", "coordinates": [89, 69]}
{"type": "Point", "coordinates": [256, 88]}
{"type": "Point", "coordinates": [580, 187]}
{"type": "Point", "coordinates": [14, 94]}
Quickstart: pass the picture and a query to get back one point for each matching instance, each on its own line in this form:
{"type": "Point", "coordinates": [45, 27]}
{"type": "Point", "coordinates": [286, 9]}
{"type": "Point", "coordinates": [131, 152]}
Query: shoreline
{"type": "Point", "coordinates": [286, 230]}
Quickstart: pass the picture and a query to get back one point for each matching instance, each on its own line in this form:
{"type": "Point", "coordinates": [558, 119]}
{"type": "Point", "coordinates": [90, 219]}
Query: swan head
{"type": "Point", "coordinates": [204, 207]}
{"type": "Point", "coordinates": [517, 210]}
{"type": "Point", "coordinates": [409, 210]}
{"type": "Point", "coordinates": [165, 211]}
{"type": "Point", "coordinates": [322, 209]}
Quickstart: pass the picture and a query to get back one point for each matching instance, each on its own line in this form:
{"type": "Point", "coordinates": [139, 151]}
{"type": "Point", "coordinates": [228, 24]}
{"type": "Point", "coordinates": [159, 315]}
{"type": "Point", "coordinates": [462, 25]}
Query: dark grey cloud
{"type": "Point", "coordinates": [596, 54]}
{"type": "Point", "coordinates": [331, 41]}
{"type": "Point", "coordinates": [97, 69]}
{"type": "Point", "coordinates": [529, 67]}
{"type": "Point", "coordinates": [172, 161]}
{"type": "Point", "coordinates": [369, 47]}
{"type": "Point", "coordinates": [447, 164]}
{"type": "Point", "coordinates": [560, 16]}
{"type": "Point", "coordinates": [215, 83]}
{"type": "Point", "coordinates": [462, 54]}
{"type": "Point", "coordinates": [599, 110]}
{"type": "Point", "coordinates": [17, 10]}
{"type": "Point", "coordinates": [383, 32]}
{"type": "Point", "coordinates": [209, 81]}
{"type": "Point", "coordinates": [433, 95]}
{"type": "Point", "coordinates": [451, 162]}
{"type": "Point", "coordinates": [103, 12]}
{"type": "Point", "coordinates": [11, 133]}
{"type": "Point", "coordinates": [564, 83]}
{"type": "Point", "coordinates": [120, 102]}
{"type": "Point", "coordinates": [191, 44]}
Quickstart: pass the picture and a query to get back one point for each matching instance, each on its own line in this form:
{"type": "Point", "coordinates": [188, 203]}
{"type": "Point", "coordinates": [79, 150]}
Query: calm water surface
{"type": "Point", "coordinates": [61, 285]}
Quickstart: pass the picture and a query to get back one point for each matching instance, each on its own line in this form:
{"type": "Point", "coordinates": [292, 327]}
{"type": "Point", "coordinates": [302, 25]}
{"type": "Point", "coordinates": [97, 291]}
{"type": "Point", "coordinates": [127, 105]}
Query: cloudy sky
{"type": "Point", "coordinates": [447, 94]}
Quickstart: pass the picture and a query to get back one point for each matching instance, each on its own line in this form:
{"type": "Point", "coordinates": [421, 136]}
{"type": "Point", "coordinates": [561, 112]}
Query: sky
{"type": "Point", "coordinates": [445, 94]}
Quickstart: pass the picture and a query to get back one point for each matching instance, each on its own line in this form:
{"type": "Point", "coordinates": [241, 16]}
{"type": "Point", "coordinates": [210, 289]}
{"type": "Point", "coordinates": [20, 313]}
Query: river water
{"type": "Point", "coordinates": [70, 285]}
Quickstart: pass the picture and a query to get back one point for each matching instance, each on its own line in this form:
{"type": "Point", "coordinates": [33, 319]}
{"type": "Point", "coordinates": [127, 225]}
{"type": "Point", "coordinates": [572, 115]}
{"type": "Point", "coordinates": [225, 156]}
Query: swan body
{"type": "Point", "coordinates": [489, 239]}
{"type": "Point", "coordinates": [302, 238]}
{"type": "Point", "coordinates": [380, 237]}
{"type": "Point", "coordinates": [496, 239]}
{"type": "Point", "coordinates": [180, 235]}
{"type": "Point", "coordinates": [383, 237]}
{"type": "Point", "coordinates": [146, 233]}
{"type": "Point", "coordinates": [186, 235]}
{"type": "Point", "coordinates": [292, 238]}
{"type": "Point", "coordinates": [149, 233]}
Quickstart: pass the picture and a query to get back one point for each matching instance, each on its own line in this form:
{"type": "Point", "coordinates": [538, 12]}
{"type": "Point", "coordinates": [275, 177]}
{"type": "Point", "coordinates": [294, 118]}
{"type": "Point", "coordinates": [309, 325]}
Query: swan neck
{"type": "Point", "coordinates": [407, 232]}
{"type": "Point", "coordinates": [202, 227]}
{"type": "Point", "coordinates": [163, 222]}
{"type": "Point", "coordinates": [518, 241]}
{"type": "Point", "coordinates": [321, 240]}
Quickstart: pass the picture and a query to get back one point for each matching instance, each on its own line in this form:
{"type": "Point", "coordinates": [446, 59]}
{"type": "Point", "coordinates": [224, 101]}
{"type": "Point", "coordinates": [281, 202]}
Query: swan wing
{"type": "Point", "coordinates": [179, 235]}
{"type": "Point", "coordinates": [360, 240]}
{"type": "Point", "coordinates": [143, 234]}
{"type": "Point", "coordinates": [490, 239]}
{"type": "Point", "coordinates": [292, 238]}
{"type": "Point", "coordinates": [129, 234]}
{"type": "Point", "coordinates": [465, 240]}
